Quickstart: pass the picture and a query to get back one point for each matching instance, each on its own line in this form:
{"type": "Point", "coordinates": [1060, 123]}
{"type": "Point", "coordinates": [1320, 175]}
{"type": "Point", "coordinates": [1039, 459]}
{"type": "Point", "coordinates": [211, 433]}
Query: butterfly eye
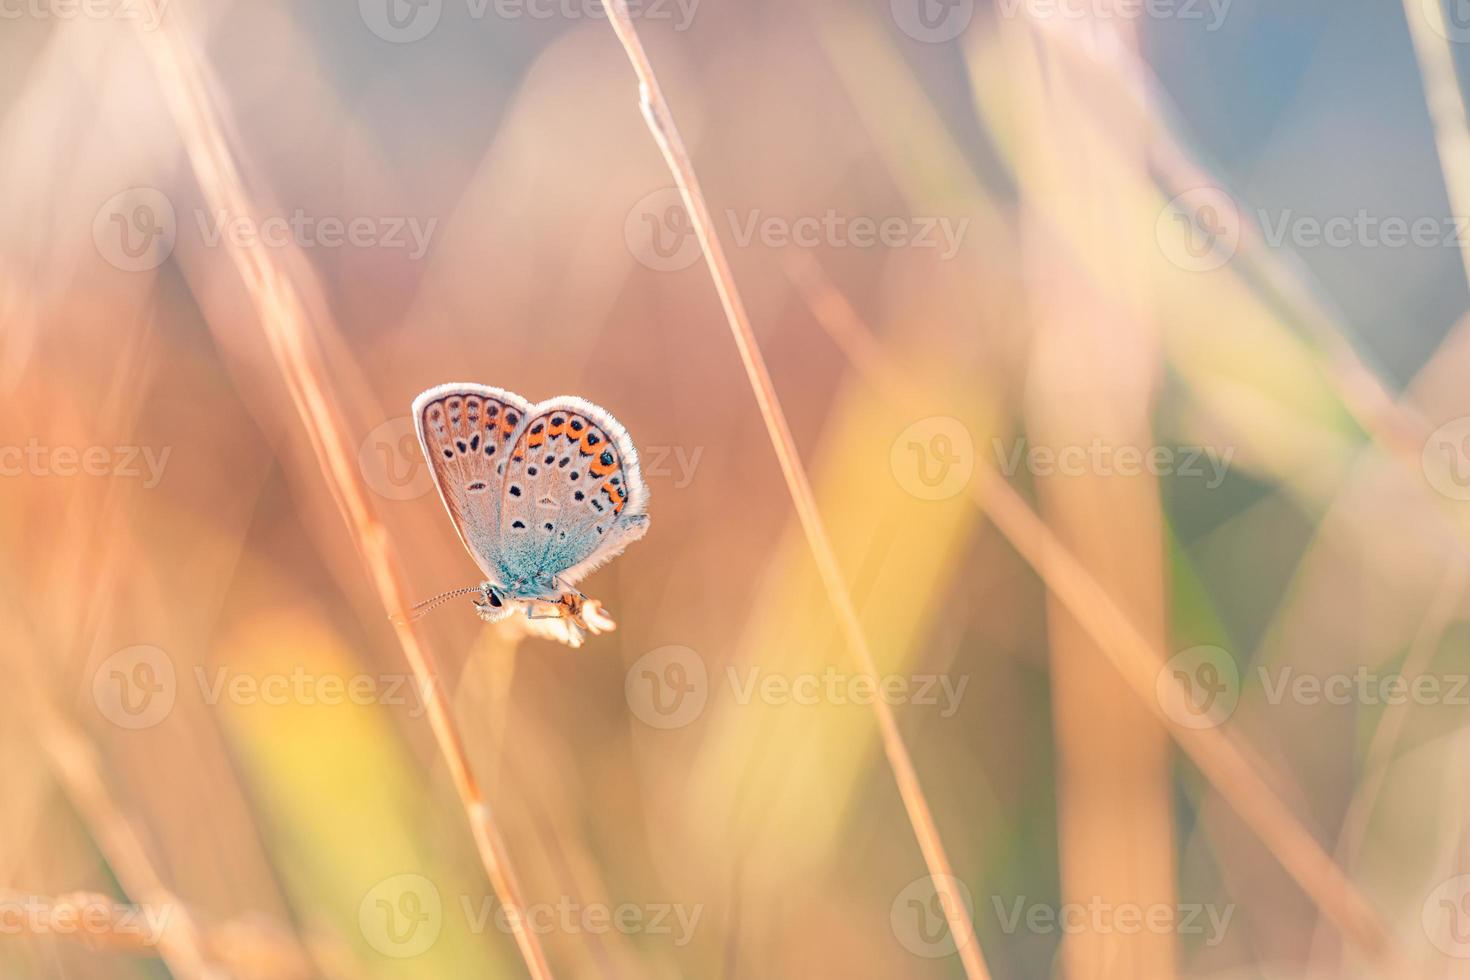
{"type": "Point", "coordinates": [495, 600]}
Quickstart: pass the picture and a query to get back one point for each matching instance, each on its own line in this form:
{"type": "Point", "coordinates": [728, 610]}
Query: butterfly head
{"type": "Point", "coordinates": [494, 603]}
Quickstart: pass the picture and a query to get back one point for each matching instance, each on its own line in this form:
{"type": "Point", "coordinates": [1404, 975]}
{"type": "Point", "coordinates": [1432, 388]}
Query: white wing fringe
{"type": "Point", "coordinates": [573, 631]}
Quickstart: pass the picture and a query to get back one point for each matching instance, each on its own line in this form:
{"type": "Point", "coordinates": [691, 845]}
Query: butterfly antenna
{"type": "Point", "coordinates": [420, 610]}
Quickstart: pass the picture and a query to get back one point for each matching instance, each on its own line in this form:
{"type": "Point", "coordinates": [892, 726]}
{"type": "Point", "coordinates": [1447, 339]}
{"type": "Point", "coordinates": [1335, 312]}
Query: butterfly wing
{"type": "Point", "coordinates": [466, 431]}
{"type": "Point", "coordinates": [573, 496]}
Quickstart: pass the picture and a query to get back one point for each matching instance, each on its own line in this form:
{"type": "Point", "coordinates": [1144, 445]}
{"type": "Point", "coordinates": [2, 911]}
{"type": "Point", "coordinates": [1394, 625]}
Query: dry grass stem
{"type": "Point", "coordinates": [661, 124]}
{"type": "Point", "coordinates": [1446, 105]}
{"type": "Point", "coordinates": [283, 317]}
{"type": "Point", "coordinates": [1215, 752]}
{"type": "Point", "coordinates": [1393, 426]}
{"type": "Point", "coordinates": [78, 769]}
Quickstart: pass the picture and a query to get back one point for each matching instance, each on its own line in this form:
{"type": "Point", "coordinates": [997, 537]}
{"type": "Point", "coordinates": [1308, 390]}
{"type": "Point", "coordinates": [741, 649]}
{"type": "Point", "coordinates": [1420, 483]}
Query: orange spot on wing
{"type": "Point", "coordinates": [617, 495]}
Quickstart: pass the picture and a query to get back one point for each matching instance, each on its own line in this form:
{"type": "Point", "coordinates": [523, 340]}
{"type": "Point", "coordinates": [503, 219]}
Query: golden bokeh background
{"type": "Point", "coordinates": [1123, 344]}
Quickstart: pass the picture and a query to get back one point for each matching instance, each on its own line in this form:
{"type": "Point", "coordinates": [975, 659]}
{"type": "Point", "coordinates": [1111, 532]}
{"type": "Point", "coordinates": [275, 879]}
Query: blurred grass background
{"type": "Point", "coordinates": [1065, 315]}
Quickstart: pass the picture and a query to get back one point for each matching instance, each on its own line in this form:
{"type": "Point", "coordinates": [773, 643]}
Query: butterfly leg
{"type": "Point", "coordinates": [581, 613]}
{"type": "Point", "coordinates": [586, 613]}
{"type": "Point", "coordinates": [567, 605]}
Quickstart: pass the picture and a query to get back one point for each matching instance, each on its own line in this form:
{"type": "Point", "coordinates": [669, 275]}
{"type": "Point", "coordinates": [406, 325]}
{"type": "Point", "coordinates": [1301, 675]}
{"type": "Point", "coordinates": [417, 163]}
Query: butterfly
{"type": "Point", "coordinates": [541, 495]}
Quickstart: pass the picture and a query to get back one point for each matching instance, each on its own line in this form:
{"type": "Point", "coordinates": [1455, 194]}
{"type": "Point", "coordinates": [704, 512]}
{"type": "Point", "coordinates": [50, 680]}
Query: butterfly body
{"type": "Point", "coordinates": [541, 494]}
